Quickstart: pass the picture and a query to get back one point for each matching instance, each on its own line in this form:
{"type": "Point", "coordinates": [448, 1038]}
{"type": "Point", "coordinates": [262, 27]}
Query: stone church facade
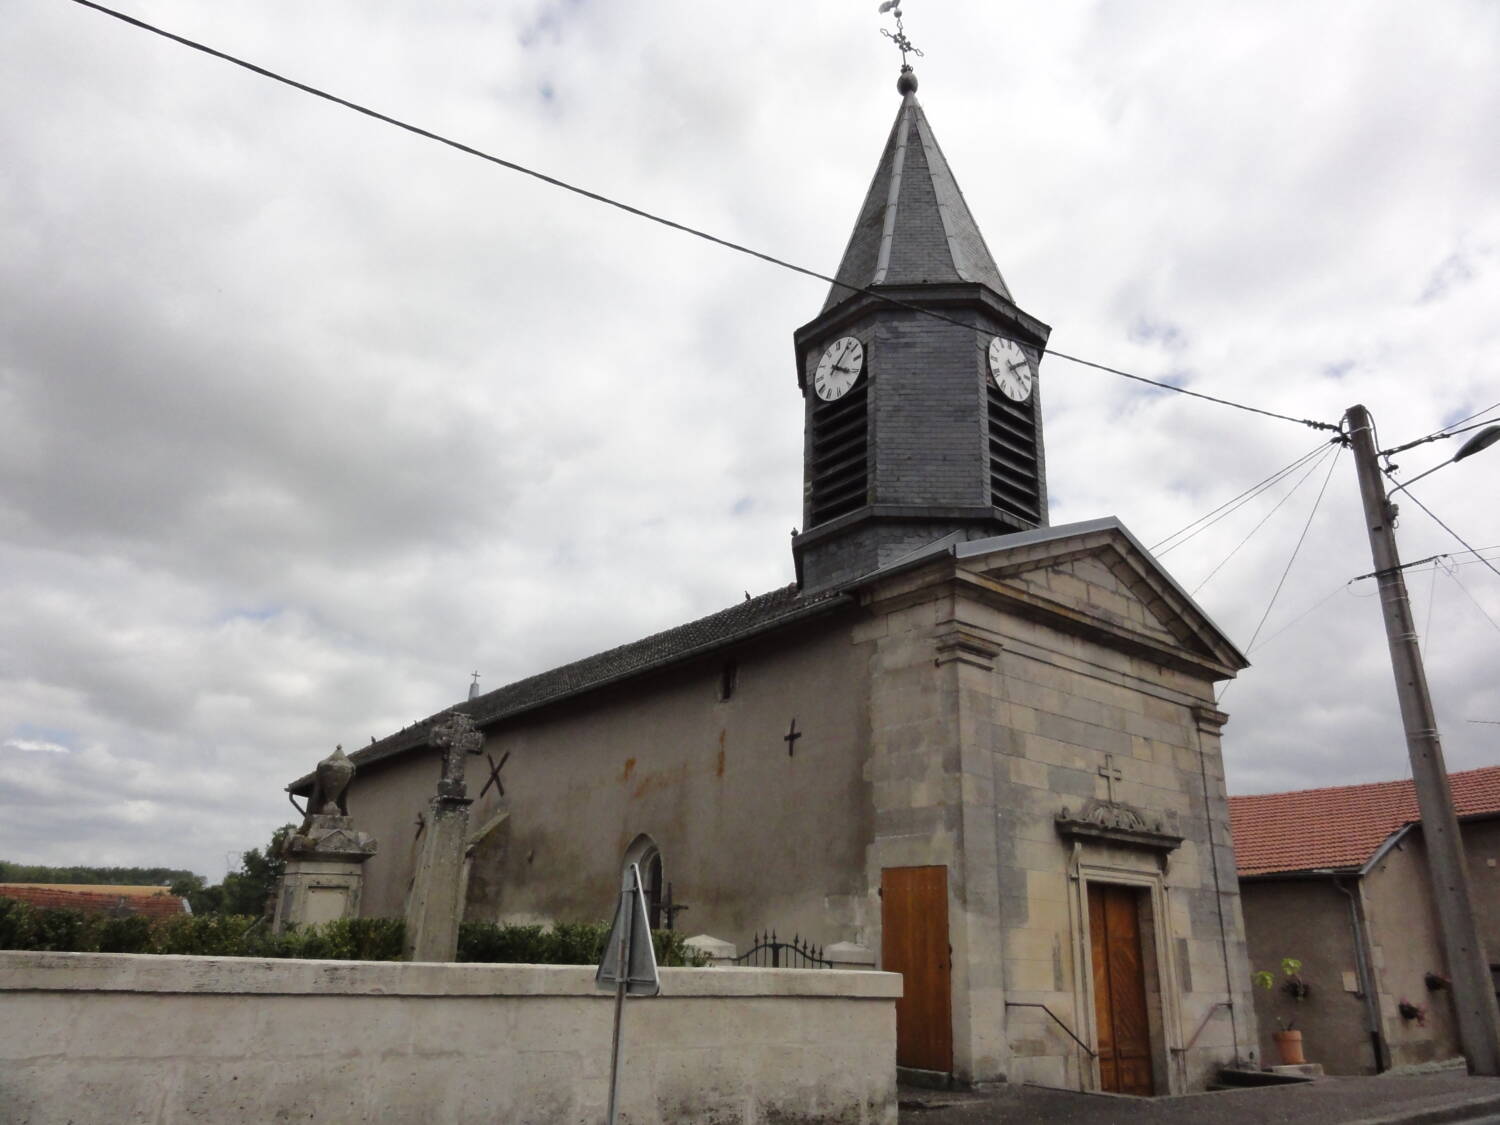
{"type": "Point", "coordinates": [983, 747]}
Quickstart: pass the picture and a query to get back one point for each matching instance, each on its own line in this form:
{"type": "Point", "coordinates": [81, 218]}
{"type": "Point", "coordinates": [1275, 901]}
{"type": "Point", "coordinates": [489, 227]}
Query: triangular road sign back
{"type": "Point", "coordinates": [630, 941]}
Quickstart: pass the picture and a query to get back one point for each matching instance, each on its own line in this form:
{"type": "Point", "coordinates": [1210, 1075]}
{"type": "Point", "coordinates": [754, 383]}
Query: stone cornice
{"type": "Point", "coordinates": [967, 643]}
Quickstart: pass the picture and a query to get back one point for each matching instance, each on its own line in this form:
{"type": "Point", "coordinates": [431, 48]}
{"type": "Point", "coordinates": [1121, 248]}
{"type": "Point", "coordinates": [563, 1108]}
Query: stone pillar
{"type": "Point", "coordinates": [436, 899]}
{"type": "Point", "coordinates": [435, 904]}
{"type": "Point", "coordinates": [324, 872]}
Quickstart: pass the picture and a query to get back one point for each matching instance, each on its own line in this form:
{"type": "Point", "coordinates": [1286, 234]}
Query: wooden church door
{"type": "Point", "coordinates": [1124, 1027]}
{"type": "Point", "coordinates": [914, 943]}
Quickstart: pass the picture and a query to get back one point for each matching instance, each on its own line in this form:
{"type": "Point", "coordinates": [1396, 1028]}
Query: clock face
{"type": "Point", "coordinates": [839, 368]}
{"type": "Point", "coordinates": [1010, 369]}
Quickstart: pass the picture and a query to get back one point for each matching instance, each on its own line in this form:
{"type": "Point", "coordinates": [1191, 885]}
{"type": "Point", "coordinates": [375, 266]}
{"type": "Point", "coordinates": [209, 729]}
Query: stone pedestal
{"type": "Point", "coordinates": [849, 955]}
{"type": "Point", "coordinates": [324, 872]}
{"type": "Point", "coordinates": [435, 904]}
{"type": "Point", "coordinates": [717, 950]}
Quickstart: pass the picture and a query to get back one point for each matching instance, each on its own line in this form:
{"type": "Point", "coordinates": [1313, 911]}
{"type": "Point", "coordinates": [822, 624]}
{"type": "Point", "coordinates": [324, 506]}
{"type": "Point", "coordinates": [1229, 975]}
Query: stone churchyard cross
{"type": "Point", "coordinates": [457, 739]}
{"type": "Point", "coordinates": [435, 905]}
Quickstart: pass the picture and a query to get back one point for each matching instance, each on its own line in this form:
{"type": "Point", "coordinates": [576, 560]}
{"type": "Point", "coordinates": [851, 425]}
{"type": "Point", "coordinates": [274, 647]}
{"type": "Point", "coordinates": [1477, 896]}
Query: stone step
{"type": "Point", "coordinates": [1239, 1077]}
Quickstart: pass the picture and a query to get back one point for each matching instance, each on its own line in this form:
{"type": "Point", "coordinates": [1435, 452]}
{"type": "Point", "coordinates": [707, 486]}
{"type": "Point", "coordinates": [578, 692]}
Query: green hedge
{"type": "Point", "coordinates": [566, 943]}
{"type": "Point", "coordinates": [23, 926]}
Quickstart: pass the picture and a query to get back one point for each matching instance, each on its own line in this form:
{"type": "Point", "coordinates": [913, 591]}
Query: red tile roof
{"type": "Point", "coordinates": [157, 902]}
{"type": "Point", "coordinates": [1340, 827]}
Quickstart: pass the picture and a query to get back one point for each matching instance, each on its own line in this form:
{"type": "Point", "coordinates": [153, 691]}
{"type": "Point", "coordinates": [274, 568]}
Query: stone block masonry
{"type": "Point", "coordinates": [120, 1037]}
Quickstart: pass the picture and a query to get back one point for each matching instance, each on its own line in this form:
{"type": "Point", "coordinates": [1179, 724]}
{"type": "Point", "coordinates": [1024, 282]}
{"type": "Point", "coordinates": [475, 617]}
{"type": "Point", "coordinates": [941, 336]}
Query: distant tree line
{"type": "Point", "coordinates": [243, 892]}
{"type": "Point", "coordinates": [117, 876]}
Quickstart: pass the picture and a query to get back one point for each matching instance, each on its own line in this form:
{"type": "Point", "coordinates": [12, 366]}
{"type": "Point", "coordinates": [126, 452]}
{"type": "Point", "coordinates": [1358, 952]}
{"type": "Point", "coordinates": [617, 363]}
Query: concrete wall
{"type": "Point", "coordinates": [118, 1037]}
{"type": "Point", "coordinates": [738, 820]}
{"type": "Point", "coordinates": [1406, 946]}
{"type": "Point", "coordinates": [1309, 919]}
{"type": "Point", "coordinates": [1482, 845]}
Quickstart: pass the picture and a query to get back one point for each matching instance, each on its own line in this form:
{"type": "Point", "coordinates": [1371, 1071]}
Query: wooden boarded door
{"type": "Point", "coordinates": [914, 943]}
{"type": "Point", "coordinates": [1124, 1028]}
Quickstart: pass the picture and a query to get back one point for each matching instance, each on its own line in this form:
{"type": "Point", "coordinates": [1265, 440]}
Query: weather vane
{"type": "Point", "coordinates": [898, 36]}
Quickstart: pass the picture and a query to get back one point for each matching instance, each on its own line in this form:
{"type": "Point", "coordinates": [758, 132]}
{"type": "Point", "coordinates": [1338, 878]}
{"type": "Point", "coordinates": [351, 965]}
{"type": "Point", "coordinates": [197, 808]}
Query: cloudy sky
{"type": "Point", "coordinates": [303, 418]}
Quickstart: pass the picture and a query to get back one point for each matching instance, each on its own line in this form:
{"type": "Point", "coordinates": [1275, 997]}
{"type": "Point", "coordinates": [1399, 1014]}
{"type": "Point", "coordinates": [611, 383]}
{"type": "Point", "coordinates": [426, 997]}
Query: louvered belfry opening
{"type": "Point", "coordinates": [1014, 484]}
{"type": "Point", "coordinates": [839, 471]}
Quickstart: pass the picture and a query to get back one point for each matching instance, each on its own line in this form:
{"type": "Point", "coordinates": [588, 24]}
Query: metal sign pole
{"type": "Point", "coordinates": [628, 966]}
{"type": "Point", "coordinates": [620, 988]}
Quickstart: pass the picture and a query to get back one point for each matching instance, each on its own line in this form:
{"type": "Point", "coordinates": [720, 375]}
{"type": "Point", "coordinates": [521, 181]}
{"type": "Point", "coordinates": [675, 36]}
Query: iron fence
{"type": "Point", "coordinates": [766, 952]}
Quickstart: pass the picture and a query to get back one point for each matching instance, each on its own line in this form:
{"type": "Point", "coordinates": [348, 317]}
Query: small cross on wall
{"type": "Point", "coordinates": [790, 738]}
{"type": "Point", "coordinates": [1111, 774]}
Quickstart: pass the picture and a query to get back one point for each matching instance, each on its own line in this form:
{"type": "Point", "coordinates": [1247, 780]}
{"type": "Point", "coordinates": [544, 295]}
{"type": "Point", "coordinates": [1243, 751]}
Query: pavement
{"type": "Point", "coordinates": [1426, 1099]}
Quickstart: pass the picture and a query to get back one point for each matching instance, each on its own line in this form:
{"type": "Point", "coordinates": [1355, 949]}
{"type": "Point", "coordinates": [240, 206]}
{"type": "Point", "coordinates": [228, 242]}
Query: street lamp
{"type": "Point", "coordinates": [1473, 991]}
{"type": "Point", "coordinates": [1482, 440]}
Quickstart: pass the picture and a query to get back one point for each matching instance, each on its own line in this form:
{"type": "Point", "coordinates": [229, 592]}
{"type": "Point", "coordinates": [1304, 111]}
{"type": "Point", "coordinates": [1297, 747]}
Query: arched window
{"type": "Point", "coordinates": [643, 851]}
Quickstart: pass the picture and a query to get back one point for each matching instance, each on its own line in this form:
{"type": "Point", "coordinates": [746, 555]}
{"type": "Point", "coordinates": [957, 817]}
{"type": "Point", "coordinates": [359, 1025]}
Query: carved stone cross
{"type": "Point", "coordinates": [456, 737]}
{"type": "Point", "coordinates": [1111, 774]}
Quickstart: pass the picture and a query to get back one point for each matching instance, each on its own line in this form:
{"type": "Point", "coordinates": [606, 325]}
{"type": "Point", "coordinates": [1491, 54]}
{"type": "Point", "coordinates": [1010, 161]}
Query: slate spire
{"type": "Point", "coordinates": [914, 227]}
{"type": "Point", "coordinates": [909, 434]}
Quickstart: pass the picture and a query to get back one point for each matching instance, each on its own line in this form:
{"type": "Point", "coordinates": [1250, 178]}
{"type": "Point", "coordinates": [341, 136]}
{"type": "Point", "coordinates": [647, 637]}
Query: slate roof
{"type": "Point", "coordinates": [1342, 827]}
{"type": "Point", "coordinates": [737, 623]}
{"type": "Point", "coordinates": [155, 902]}
{"type": "Point", "coordinates": [914, 227]}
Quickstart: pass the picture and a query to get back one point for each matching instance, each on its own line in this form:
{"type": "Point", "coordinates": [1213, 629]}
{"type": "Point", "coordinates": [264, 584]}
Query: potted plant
{"type": "Point", "coordinates": [1289, 1038]}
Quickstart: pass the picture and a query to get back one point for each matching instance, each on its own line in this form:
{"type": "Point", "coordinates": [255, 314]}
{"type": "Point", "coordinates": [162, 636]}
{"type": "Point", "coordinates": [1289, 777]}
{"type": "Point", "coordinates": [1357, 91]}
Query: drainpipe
{"type": "Point", "coordinates": [1366, 980]}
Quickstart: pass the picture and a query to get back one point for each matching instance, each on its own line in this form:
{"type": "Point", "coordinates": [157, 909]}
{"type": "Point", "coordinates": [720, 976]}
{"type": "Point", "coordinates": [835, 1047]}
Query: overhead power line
{"type": "Point", "coordinates": [1451, 532]}
{"type": "Point", "coordinates": [1263, 520]}
{"type": "Point", "coordinates": [1482, 612]}
{"type": "Point", "coordinates": [1306, 527]}
{"type": "Point", "coordinates": [1233, 504]}
{"type": "Point", "coordinates": [1316, 605]}
{"type": "Point", "coordinates": [650, 216]}
{"type": "Point", "coordinates": [1445, 432]}
{"type": "Point", "coordinates": [1296, 550]}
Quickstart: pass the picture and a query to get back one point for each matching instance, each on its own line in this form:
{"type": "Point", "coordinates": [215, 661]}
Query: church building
{"type": "Point", "coordinates": [982, 747]}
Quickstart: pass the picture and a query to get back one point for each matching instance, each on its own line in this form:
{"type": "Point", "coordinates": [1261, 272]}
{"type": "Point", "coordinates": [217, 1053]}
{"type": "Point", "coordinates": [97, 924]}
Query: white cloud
{"type": "Point", "coordinates": [34, 746]}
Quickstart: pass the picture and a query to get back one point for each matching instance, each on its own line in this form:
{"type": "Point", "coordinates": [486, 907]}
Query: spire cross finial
{"type": "Point", "coordinates": [898, 37]}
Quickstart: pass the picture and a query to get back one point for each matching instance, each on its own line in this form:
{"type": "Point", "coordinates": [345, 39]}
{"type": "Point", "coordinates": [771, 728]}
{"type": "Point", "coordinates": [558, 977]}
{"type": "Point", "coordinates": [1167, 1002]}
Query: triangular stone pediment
{"type": "Point", "coordinates": [1096, 575]}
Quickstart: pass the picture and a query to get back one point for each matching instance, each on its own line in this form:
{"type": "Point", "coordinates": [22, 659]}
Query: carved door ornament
{"type": "Point", "coordinates": [1114, 822]}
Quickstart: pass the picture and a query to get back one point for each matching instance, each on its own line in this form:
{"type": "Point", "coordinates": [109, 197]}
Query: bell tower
{"type": "Point", "coordinates": [922, 406]}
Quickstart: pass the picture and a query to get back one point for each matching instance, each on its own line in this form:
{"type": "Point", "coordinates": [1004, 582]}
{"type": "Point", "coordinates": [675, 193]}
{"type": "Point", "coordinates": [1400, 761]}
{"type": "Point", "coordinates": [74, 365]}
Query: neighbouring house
{"type": "Point", "coordinates": [981, 749]}
{"type": "Point", "coordinates": [1337, 878]}
{"type": "Point", "coordinates": [91, 898]}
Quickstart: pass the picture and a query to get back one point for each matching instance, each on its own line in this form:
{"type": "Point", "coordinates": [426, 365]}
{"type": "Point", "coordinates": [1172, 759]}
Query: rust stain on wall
{"type": "Point", "coordinates": [719, 769]}
{"type": "Point", "coordinates": [629, 769]}
{"type": "Point", "coordinates": [663, 779]}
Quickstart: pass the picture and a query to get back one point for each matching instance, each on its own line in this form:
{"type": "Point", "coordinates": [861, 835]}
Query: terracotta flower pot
{"type": "Point", "coordinates": [1289, 1047]}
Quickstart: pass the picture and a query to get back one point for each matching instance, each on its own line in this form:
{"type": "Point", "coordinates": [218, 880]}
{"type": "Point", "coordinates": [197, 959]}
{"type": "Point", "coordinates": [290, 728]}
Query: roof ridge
{"type": "Point", "coordinates": [1405, 783]}
{"type": "Point", "coordinates": [736, 622]}
{"type": "Point", "coordinates": [1339, 828]}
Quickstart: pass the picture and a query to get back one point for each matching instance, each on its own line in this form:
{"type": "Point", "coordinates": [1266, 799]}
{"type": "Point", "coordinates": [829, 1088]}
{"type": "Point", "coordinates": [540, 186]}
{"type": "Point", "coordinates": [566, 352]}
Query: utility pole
{"type": "Point", "coordinates": [1472, 990]}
